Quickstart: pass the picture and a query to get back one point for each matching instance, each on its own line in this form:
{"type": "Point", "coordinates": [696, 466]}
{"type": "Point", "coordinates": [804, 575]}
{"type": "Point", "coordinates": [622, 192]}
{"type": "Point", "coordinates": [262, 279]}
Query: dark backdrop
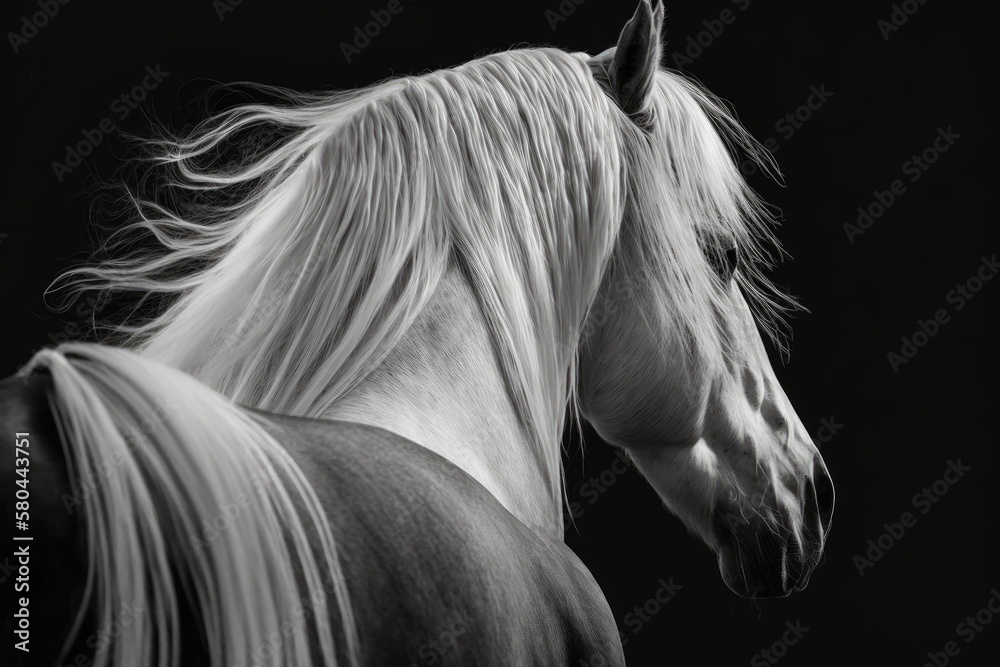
{"type": "Point", "coordinates": [880, 95]}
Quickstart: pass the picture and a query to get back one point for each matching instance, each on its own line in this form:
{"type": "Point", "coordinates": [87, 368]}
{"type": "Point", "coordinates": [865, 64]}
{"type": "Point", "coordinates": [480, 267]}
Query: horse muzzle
{"type": "Point", "coordinates": [759, 556]}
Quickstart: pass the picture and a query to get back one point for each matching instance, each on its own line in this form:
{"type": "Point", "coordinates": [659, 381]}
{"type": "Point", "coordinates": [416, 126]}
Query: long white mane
{"type": "Point", "coordinates": [305, 263]}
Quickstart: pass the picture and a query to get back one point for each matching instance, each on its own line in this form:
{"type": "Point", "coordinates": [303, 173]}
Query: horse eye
{"type": "Point", "coordinates": [732, 261]}
{"type": "Point", "coordinates": [726, 262]}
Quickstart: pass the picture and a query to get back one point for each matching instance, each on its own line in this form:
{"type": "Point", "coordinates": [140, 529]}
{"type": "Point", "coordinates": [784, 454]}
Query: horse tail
{"type": "Point", "coordinates": [188, 492]}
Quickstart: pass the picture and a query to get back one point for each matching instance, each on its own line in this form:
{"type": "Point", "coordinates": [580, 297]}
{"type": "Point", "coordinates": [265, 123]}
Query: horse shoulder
{"type": "Point", "coordinates": [438, 571]}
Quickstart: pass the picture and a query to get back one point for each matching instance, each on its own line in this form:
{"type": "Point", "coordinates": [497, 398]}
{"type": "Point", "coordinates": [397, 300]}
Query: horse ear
{"type": "Point", "coordinates": [636, 59]}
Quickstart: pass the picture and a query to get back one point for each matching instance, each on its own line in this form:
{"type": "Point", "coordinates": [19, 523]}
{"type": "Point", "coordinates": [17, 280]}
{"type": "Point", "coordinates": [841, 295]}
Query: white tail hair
{"type": "Point", "coordinates": [163, 452]}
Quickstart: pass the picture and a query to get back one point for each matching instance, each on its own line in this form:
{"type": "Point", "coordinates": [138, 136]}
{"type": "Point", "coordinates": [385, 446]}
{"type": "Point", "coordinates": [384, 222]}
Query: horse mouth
{"type": "Point", "coordinates": [761, 559]}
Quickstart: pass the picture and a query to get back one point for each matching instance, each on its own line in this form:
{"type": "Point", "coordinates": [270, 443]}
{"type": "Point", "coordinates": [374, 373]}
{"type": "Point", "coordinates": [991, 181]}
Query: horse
{"type": "Point", "coordinates": [339, 440]}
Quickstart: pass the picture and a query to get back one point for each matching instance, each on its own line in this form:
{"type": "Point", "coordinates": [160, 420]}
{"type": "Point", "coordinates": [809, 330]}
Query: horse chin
{"type": "Point", "coordinates": [758, 562]}
{"type": "Point", "coordinates": [746, 581]}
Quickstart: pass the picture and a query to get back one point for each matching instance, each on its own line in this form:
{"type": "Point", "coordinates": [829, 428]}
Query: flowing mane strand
{"type": "Point", "coordinates": [686, 204]}
{"type": "Point", "coordinates": [312, 258]}
{"type": "Point", "coordinates": [507, 166]}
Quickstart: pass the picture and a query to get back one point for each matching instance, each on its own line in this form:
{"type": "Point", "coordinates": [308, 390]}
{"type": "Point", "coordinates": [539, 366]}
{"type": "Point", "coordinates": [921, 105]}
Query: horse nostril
{"type": "Point", "coordinates": [824, 494]}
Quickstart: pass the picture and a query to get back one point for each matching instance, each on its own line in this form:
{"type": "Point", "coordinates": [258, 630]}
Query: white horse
{"type": "Point", "coordinates": [434, 271]}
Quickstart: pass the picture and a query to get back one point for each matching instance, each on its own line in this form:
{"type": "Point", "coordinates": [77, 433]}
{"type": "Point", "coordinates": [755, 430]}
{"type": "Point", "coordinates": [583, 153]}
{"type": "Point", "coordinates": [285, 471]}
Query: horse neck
{"type": "Point", "coordinates": [443, 388]}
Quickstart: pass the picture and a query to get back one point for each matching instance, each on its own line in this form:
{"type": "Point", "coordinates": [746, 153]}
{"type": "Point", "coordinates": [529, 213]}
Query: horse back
{"type": "Point", "coordinates": [438, 572]}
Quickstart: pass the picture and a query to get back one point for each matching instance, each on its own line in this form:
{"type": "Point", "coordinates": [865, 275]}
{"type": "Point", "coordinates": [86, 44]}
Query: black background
{"type": "Point", "coordinates": [899, 429]}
